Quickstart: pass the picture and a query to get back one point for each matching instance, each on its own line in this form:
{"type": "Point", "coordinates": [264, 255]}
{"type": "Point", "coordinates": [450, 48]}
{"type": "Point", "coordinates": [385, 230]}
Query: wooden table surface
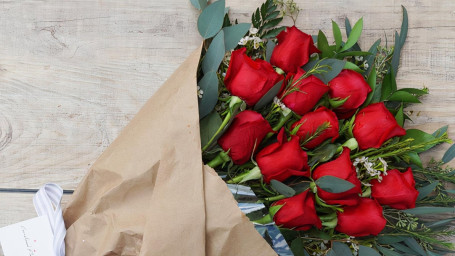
{"type": "Point", "coordinates": [74, 73]}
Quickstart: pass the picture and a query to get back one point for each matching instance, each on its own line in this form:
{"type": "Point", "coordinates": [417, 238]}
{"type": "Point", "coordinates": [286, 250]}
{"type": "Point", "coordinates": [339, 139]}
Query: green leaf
{"type": "Point", "coordinates": [439, 132]}
{"type": "Point", "coordinates": [403, 248]}
{"type": "Point", "coordinates": [301, 187]}
{"type": "Point", "coordinates": [354, 35]}
{"type": "Point", "coordinates": [209, 85]}
{"type": "Point", "coordinates": [335, 103]}
{"type": "Point", "coordinates": [352, 66]}
{"type": "Point", "coordinates": [208, 126]}
{"type": "Point", "coordinates": [415, 159]}
{"type": "Point", "coordinates": [269, 50]}
{"type": "Point", "coordinates": [403, 96]}
{"type": "Point", "coordinates": [268, 97]}
{"type": "Point", "coordinates": [387, 252]}
{"type": "Point", "coordinates": [215, 54]}
{"type": "Point", "coordinates": [271, 24]}
{"type": "Point", "coordinates": [386, 239]}
{"type": "Point", "coordinates": [199, 4]}
{"type": "Point", "coordinates": [414, 91]}
{"type": "Point", "coordinates": [211, 19]}
{"type": "Point", "coordinates": [336, 67]}
{"type": "Point", "coordinates": [323, 45]}
{"type": "Point", "coordinates": [323, 154]}
{"type": "Point", "coordinates": [439, 223]}
{"type": "Point", "coordinates": [429, 210]}
{"type": "Point", "coordinates": [367, 251]}
{"type": "Point", "coordinates": [282, 188]}
{"type": "Point", "coordinates": [272, 15]}
{"type": "Point", "coordinates": [372, 83]}
{"type": "Point", "coordinates": [404, 27]}
{"type": "Point", "coordinates": [449, 154]}
{"type": "Point", "coordinates": [297, 247]}
{"type": "Point", "coordinates": [425, 191]}
{"type": "Point", "coordinates": [419, 138]}
{"type": "Point", "coordinates": [415, 246]}
{"type": "Point", "coordinates": [370, 59]}
{"type": "Point", "coordinates": [333, 184]}
{"type": "Point", "coordinates": [400, 116]}
{"type": "Point", "coordinates": [337, 35]}
{"type": "Point", "coordinates": [272, 33]}
{"type": "Point", "coordinates": [389, 86]}
{"type": "Point", "coordinates": [233, 34]}
{"type": "Point", "coordinates": [339, 249]}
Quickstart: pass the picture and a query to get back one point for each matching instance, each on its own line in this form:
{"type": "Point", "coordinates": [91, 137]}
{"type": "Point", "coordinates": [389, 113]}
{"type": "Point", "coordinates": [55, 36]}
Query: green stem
{"type": "Point", "coordinates": [221, 158]}
{"type": "Point", "coordinates": [252, 174]}
{"type": "Point", "coordinates": [223, 124]}
{"type": "Point", "coordinates": [272, 199]}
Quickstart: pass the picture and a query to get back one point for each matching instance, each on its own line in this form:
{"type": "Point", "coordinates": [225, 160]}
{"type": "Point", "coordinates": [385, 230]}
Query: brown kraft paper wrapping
{"type": "Point", "coordinates": [149, 193]}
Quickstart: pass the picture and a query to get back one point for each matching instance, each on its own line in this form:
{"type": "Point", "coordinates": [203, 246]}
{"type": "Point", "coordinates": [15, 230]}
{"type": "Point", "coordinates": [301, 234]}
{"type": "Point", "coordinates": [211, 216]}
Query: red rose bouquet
{"type": "Point", "coordinates": [315, 129]}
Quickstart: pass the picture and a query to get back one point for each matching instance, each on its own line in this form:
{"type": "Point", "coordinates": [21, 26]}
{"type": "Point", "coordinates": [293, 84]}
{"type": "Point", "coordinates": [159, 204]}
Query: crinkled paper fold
{"type": "Point", "coordinates": [149, 192]}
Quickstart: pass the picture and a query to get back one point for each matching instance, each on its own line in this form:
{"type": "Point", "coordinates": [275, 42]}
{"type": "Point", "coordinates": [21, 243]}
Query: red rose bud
{"type": "Point", "coordinates": [298, 212]}
{"type": "Point", "coordinates": [283, 159]}
{"type": "Point", "coordinates": [363, 219]}
{"type": "Point", "coordinates": [310, 90]}
{"type": "Point", "coordinates": [249, 79]}
{"type": "Point", "coordinates": [341, 168]}
{"type": "Point", "coordinates": [374, 125]}
{"type": "Point", "coordinates": [244, 135]}
{"type": "Point", "coordinates": [293, 50]}
{"type": "Point", "coordinates": [396, 190]}
{"type": "Point", "coordinates": [351, 86]}
{"type": "Point", "coordinates": [321, 124]}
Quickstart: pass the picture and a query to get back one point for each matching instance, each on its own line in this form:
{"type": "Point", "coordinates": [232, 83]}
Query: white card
{"type": "Point", "coordinates": [32, 237]}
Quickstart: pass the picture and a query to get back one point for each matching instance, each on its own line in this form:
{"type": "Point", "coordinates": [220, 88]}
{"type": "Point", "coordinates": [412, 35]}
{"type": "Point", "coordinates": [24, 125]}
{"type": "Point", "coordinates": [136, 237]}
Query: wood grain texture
{"type": "Point", "coordinates": [73, 73]}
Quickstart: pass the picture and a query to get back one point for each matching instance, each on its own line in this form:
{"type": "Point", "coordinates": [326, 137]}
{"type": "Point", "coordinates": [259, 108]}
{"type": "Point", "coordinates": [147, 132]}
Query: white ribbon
{"type": "Point", "coordinates": [47, 202]}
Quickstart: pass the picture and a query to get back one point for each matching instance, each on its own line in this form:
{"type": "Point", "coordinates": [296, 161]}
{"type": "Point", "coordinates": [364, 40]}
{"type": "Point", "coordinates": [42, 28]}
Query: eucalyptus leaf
{"type": "Point", "coordinates": [403, 96]}
{"type": "Point", "coordinates": [414, 245]}
{"type": "Point", "coordinates": [367, 251]}
{"type": "Point", "coordinates": [209, 85]}
{"type": "Point", "coordinates": [336, 67]}
{"type": "Point", "coordinates": [233, 34]}
{"type": "Point", "coordinates": [208, 126]}
{"type": "Point", "coordinates": [388, 252]}
{"type": "Point", "coordinates": [215, 54]}
{"type": "Point", "coordinates": [340, 249]}
{"type": "Point", "coordinates": [425, 191]}
{"type": "Point", "coordinates": [439, 223]}
{"type": "Point", "coordinates": [403, 248]}
{"type": "Point", "coordinates": [337, 35]}
{"type": "Point", "coordinates": [387, 239]}
{"type": "Point", "coordinates": [269, 50]}
{"type": "Point", "coordinates": [334, 184]}
{"type": "Point", "coordinates": [268, 97]}
{"type": "Point", "coordinates": [199, 4]}
{"type": "Point", "coordinates": [429, 210]}
{"type": "Point", "coordinates": [449, 154]}
{"type": "Point", "coordinates": [211, 19]}
{"type": "Point", "coordinates": [370, 59]}
{"type": "Point", "coordinates": [297, 247]}
{"type": "Point", "coordinates": [282, 188]}
{"type": "Point", "coordinates": [354, 35]}
{"type": "Point", "coordinates": [352, 66]}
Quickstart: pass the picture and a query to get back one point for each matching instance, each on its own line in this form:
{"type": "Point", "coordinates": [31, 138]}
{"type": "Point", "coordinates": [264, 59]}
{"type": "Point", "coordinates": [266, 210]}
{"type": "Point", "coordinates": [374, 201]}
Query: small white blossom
{"type": "Point", "coordinates": [243, 41]}
{"type": "Point", "coordinates": [359, 58]}
{"type": "Point", "coordinates": [200, 92]}
{"type": "Point", "coordinates": [253, 31]}
{"type": "Point", "coordinates": [281, 105]}
{"type": "Point", "coordinates": [365, 65]}
{"type": "Point", "coordinates": [224, 74]}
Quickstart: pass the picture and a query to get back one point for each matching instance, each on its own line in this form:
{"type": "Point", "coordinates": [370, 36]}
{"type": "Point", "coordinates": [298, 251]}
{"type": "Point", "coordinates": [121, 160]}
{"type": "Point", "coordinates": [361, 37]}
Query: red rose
{"type": "Point", "coordinates": [245, 133]}
{"type": "Point", "coordinates": [298, 212]}
{"type": "Point", "coordinates": [363, 219]}
{"type": "Point", "coordinates": [351, 85]}
{"type": "Point", "coordinates": [293, 50]}
{"type": "Point", "coordinates": [310, 122]}
{"type": "Point", "coordinates": [249, 79]}
{"type": "Point", "coordinates": [341, 168]}
{"type": "Point", "coordinates": [375, 124]}
{"type": "Point", "coordinates": [283, 159]}
{"type": "Point", "coordinates": [396, 190]}
{"type": "Point", "coordinates": [310, 90]}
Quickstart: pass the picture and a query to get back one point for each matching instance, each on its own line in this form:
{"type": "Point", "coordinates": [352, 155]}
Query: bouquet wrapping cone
{"type": "Point", "coordinates": [149, 192]}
